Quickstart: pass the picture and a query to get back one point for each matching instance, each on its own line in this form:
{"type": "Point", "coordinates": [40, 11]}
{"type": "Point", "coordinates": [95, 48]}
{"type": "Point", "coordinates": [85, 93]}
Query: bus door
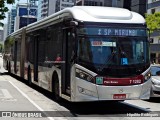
{"type": "Point", "coordinates": [36, 38]}
{"type": "Point", "coordinates": [67, 50]}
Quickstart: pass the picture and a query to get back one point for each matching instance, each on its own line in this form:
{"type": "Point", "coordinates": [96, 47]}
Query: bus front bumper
{"type": "Point", "coordinates": [86, 91]}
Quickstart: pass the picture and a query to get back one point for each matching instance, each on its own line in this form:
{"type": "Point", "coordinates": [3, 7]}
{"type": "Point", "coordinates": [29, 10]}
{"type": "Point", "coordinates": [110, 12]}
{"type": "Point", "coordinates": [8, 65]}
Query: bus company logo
{"type": "Point", "coordinates": [121, 90]}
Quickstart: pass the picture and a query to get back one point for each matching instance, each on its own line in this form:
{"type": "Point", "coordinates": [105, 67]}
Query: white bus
{"type": "Point", "coordinates": [84, 53]}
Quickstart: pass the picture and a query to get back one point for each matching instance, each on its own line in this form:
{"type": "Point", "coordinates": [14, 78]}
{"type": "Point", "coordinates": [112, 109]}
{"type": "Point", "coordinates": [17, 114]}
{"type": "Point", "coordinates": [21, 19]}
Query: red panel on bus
{"type": "Point", "coordinates": [123, 81]}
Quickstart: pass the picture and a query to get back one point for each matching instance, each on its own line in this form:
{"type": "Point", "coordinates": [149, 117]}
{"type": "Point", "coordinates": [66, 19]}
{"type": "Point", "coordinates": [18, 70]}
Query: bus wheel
{"type": "Point", "coordinates": [29, 75]}
{"type": "Point", "coordinates": [56, 88]}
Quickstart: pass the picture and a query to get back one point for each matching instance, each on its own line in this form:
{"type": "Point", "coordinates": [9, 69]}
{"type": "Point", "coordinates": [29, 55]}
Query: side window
{"type": "Point", "coordinates": [71, 44]}
{"type": "Point", "coordinates": [19, 49]}
{"type": "Point", "coordinates": [53, 47]}
{"type": "Point", "coordinates": [139, 51]}
{"type": "Point", "coordinates": [85, 49]}
{"type": "Point", "coordinates": [12, 52]}
{"type": "Point", "coordinates": [30, 49]}
{"type": "Point", "coordinates": [41, 46]}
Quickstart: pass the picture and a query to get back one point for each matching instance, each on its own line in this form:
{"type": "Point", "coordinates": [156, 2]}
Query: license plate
{"type": "Point", "coordinates": [119, 96]}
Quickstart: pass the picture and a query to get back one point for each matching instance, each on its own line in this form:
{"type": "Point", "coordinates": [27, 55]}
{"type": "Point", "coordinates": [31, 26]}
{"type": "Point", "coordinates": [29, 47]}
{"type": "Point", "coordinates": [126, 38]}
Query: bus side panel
{"type": "Point", "coordinates": [12, 59]}
{"type": "Point", "coordinates": [25, 70]}
{"type": "Point", "coordinates": [146, 89]}
{"type": "Point", "coordinates": [4, 63]}
{"type": "Point", "coordinates": [12, 67]}
{"type": "Point", "coordinates": [85, 91]}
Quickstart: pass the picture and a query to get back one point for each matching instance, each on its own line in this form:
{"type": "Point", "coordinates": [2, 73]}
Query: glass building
{"type": "Point", "coordinates": [11, 19]}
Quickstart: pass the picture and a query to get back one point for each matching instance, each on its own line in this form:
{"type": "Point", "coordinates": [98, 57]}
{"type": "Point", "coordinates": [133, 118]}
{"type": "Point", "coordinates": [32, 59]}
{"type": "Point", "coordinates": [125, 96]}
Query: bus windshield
{"type": "Point", "coordinates": [123, 50]}
{"type": "Point", "coordinates": [113, 50]}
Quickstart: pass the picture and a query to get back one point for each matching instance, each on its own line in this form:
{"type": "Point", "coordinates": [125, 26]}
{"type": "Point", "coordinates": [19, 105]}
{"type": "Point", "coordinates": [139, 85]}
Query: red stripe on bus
{"type": "Point", "coordinates": [123, 81]}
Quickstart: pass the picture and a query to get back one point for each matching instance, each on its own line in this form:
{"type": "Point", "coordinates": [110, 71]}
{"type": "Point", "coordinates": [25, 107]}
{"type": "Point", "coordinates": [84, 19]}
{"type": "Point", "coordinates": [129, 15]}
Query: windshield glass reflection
{"type": "Point", "coordinates": [113, 50]}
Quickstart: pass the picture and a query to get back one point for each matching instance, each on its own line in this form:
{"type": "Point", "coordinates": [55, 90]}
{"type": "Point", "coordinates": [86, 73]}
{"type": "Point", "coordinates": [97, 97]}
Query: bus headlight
{"type": "Point", "coordinates": [85, 76]}
{"type": "Point", "coordinates": [147, 76]}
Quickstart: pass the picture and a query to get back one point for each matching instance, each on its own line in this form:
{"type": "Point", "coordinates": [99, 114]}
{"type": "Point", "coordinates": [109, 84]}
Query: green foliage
{"type": "Point", "coordinates": [10, 1]}
{"type": "Point", "coordinates": [8, 43]}
{"type": "Point", "coordinates": [1, 47]}
{"type": "Point", "coordinates": [4, 9]}
{"type": "Point", "coordinates": [153, 21]}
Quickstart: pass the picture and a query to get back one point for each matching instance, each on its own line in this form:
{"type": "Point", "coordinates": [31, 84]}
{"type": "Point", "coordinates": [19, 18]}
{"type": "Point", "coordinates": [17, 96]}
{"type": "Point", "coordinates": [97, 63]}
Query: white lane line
{"type": "Point", "coordinates": [50, 118]}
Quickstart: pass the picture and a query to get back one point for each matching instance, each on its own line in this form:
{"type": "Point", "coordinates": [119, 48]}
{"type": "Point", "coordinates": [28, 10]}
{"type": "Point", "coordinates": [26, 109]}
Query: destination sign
{"type": "Point", "coordinates": [113, 31]}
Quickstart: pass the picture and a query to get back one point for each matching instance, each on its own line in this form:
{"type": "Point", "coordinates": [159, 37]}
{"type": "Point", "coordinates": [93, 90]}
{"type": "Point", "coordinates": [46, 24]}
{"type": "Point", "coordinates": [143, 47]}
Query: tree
{"type": "Point", "coordinates": [8, 43]}
{"type": "Point", "coordinates": [1, 47]}
{"type": "Point", "coordinates": [4, 9]}
{"type": "Point", "coordinates": [153, 21]}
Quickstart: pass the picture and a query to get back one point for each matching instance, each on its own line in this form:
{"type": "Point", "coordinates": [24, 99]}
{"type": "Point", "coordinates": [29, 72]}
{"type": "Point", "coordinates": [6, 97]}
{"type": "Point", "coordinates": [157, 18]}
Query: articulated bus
{"type": "Point", "coordinates": [84, 53]}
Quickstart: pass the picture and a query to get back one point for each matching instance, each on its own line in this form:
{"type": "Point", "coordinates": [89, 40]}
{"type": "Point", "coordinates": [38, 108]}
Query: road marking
{"type": "Point", "coordinates": [50, 118]}
{"type": "Point", "coordinates": [2, 78]}
{"type": "Point", "coordinates": [5, 94]}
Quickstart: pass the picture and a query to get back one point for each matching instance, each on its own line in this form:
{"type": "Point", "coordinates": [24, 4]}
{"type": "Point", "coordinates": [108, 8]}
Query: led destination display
{"type": "Point", "coordinates": [113, 31]}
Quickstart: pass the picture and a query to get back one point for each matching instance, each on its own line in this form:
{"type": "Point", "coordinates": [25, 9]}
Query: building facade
{"type": "Point", "coordinates": [43, 9]}
{"type": "Point", "coordinates": [26, 14]}
{"type": "Point", "coordinates": [8, 23]}
{"type": "Point", "coordinates": [90, 2]}
{"type": "Point", "coordinates": [154, 6]}
{"type": "Point", "coordinates": [11, 20]}
{"type": "Point", "coordinates": [5, 32]}
{"type": "Point", "coordinates": [139, 6]}
{"type": "Point", "coordinates": [48, 7]}
{"type": "Point", "coordinates": [61, 4]}
{"type": "Point", "coordinates": [66, 3]}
